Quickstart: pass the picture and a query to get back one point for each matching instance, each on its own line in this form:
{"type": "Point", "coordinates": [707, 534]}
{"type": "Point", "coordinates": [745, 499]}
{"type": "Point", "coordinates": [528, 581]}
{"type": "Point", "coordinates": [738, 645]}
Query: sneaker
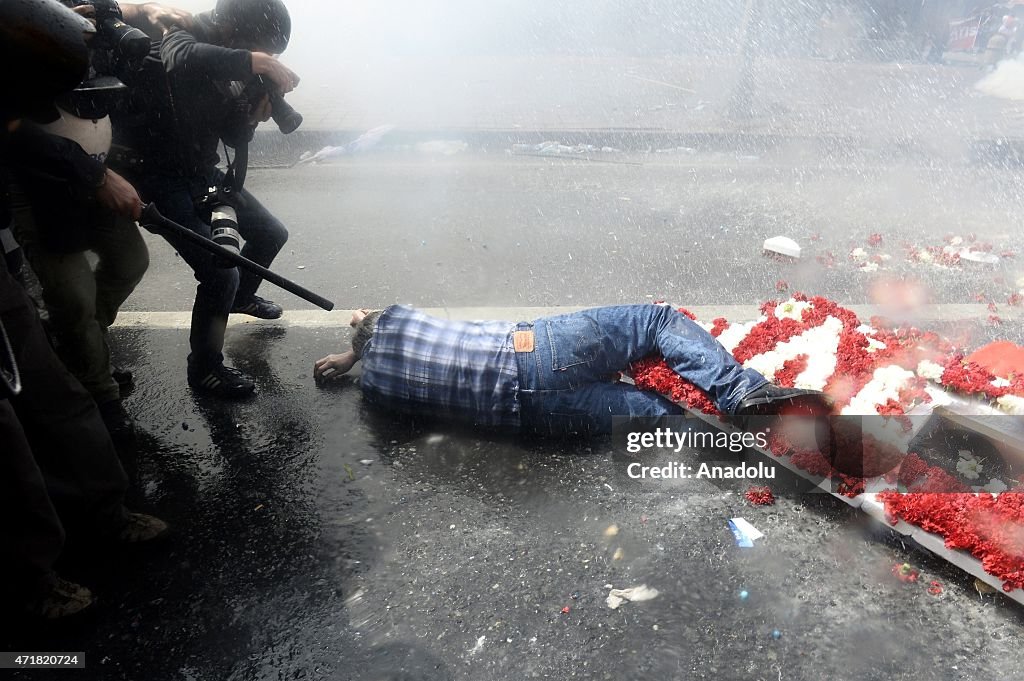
{"type": "Point", "coordinates": [222, 381]}
{"type": "Point", "coordinates": [258, 307]}
{"type": "Point", "coordinates": [142, 528]}
{"type": "Point", "coordinates": [66, 599]}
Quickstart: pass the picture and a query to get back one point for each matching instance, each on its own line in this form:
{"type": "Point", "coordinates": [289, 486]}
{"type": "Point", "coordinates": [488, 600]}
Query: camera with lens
{"type": "Point", "coordinates": [126, 42]}
{"type": "Point", "coordinates": [219, 204]}
{"type": "Point", "coordinates": [288, 119]}
{"type": "Point", "coordinates": [115, 49]}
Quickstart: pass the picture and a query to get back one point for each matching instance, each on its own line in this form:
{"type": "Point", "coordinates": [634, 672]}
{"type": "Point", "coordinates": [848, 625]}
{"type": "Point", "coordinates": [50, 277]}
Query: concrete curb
{"type": "Point", "coordinates": [271, 149]}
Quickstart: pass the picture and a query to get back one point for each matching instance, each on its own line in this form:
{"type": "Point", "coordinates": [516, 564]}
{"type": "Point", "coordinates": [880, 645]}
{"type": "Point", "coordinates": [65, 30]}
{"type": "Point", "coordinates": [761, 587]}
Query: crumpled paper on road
{"type": "Point", "coordinates": [617, 597]}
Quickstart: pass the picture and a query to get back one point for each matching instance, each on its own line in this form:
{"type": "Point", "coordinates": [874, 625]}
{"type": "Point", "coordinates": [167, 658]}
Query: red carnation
{"type": "Point", "coordinates": [760, 496]}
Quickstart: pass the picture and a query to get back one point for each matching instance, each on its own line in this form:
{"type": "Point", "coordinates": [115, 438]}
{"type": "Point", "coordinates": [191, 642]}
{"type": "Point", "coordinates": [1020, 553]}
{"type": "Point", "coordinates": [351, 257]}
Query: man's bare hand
{"type": "Point", "coordinates": [154, 19]}
{"type": "Point", "coordinates": [118, 195]}
{"type": "Point", "coordinates": [261, 111]}
{"type": "Point", "coordinates": [332, 366]}
{"type": "Point", "coordinates": [268, 65]}
{"type": "Point", "coordinates": [86, 11]}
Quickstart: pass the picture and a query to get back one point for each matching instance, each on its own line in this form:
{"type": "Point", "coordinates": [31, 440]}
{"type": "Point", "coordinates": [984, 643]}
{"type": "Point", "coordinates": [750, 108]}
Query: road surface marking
{"type": "Point", "coordinates": [318, 319]}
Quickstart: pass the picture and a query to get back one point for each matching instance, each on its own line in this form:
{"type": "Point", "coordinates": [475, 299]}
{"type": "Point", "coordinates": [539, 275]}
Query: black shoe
{"type": "Point", "coordinates": [119, 422]}
{"type": "Point", "coordinates": [258, 307]}
{"type": "Point", "coordinates": [222, 381]}
{"type": "Point", "coordinates": [139, 528]}
{"type": "Point", "coordinates": [66, 599]}
{"type": "Point", "coordinates": [124, 378]}
{"type": "Point", "coordinates": [771, 400]}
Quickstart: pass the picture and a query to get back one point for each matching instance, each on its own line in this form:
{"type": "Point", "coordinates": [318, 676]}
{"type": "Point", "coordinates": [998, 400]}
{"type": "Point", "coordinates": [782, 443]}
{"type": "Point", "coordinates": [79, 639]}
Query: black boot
{"type": "Point", "coordinates": [771, 400]}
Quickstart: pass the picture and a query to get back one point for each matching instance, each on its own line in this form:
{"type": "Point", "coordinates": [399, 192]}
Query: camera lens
{"type": "Point", "coordinates": [288, 119]}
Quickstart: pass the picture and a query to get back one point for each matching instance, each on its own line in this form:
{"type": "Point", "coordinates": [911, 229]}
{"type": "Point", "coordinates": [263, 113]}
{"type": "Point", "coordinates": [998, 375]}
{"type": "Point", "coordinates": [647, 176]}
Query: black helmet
{"type": "Point", "coordinates": [263, 23]}
{"type": "Point", "coordinates": [43, 52]}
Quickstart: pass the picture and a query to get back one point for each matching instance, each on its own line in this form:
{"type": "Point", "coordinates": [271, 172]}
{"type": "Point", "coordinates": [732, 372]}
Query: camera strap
{"type": "Point", "coordinates": [238, 166]}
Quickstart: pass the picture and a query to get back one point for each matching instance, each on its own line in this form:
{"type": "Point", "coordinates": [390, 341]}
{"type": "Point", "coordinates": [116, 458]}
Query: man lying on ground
{"type": "Point", "coordinates": [554, 376]}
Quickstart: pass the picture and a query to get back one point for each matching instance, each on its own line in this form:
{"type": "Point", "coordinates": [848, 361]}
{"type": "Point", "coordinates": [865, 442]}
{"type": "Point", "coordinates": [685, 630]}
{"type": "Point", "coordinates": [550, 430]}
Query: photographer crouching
{"type": "Point", "coordinates": [201, 86]}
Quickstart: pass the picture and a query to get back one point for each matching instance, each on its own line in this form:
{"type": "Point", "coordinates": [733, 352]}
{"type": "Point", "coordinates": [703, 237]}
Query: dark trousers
{"type": "Point", "coordinates": [219, 287]}
{"type": "Point", "coordinates": [82, 301]}
{"type": "Point", "coordinates": [58, 467]}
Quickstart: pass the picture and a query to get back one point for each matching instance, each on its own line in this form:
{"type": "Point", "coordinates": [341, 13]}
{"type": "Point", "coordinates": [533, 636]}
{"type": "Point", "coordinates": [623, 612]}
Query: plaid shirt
{"type": "Point", "coordinates": [425, 365]}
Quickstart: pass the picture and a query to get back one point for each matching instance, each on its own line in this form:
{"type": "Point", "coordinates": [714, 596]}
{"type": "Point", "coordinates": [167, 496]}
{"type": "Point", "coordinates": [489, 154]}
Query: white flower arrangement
{"type": "Point", "coordinates": [969, 466]}
{"type": "Point", "coordinates": [1011, 404]}
{"type": "Point", "coordinates": [930, 370]}
{"type": "Point", "coordinates": [885, 384]}
{"type": "Point", "coordinates": [821, 358]}
{"type": "Point", "coordinates": [735, 333]}
{"type": "Point", "coordinates": [819, 343]}
{"type": "Point", "coordinates": [859, 254]}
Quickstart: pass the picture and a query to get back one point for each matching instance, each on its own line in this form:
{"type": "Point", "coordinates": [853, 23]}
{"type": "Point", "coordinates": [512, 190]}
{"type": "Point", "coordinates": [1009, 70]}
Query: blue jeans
{"type": "Point", "coordinates": [219, 287]}
{"type": "Point", "coordinates": [567, 383]}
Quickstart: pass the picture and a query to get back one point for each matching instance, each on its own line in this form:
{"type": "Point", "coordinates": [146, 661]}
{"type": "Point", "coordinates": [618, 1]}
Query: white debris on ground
{"type": "Point", "coordinates": [364, 142]}
{"type": "Point", "coordinates": [636, 594]}
{"type": "Point", "coordinates": [479, 645]}
{"type": "Point", "coordinates": [782, 245]}
{"type": "Point", "coordinates": [557, 148]}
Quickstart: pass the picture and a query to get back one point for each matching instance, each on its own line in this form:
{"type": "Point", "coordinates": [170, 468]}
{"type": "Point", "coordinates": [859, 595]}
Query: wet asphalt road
{"type": "Point", "coordinates": [317, 539]}
{"type": "Point", "coordinates": [498, 230]}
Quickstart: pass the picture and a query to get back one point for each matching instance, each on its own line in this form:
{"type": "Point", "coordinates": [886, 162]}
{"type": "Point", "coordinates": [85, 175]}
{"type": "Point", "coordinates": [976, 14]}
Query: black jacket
{"type": "Point", "coordinates": [60, 181]}
{"type": "Point", "coordinates": [181, 104]}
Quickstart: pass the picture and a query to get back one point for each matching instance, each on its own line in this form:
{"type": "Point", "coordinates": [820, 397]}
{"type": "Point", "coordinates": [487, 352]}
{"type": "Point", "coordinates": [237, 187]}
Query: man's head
{"type": "Point", "coordinates": [256, 25]}
{"type": "Point", "coordinates": [44, 54]}
{"type": "Point", "coordinates": [363, 322]}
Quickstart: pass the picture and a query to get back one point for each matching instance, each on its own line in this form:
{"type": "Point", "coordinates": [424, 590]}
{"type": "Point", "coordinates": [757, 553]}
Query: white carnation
{"type": "Point", "coordinates": [735, 333]}
{"type": "Point", "coordinates": [969, 467]}
{"type": "Point", "coordinates": [1011, 404]}
{"type": "Point", "coordinates": [859, 254]}
{"type": "Point", "coordinates": [930, 370]}
{"type": "Point", "coordinates": [875, 345]}
{"type": "Point", "coordinates": [821, 360]}
{"type": "Point", "coordinates": [792, 309]}
{"type": "Point", "coordinates": [885, 385]}
{"type": "Point", "coordinates": [819, 343]}
{"type": "Point", "coordinates": [995, 486]}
